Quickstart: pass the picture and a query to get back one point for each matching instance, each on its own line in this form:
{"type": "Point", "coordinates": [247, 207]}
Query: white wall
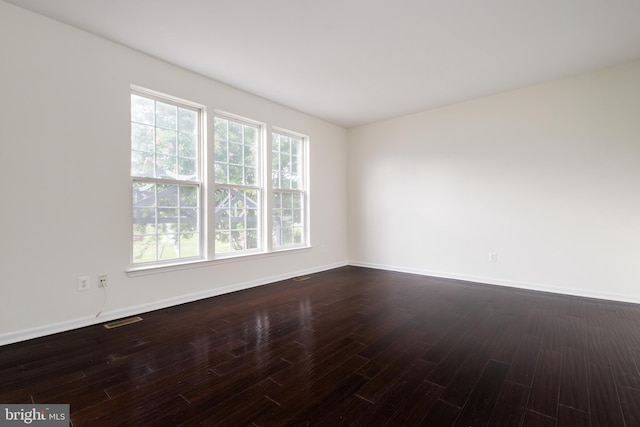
{"type": "Point", "coordinates": [547, 177]}
{"type": "Point", "coordinates": [64, 169]}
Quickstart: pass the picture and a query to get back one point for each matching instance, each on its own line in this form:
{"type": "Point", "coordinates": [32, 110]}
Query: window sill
{"type": "Point", "coordinates": [144, 270]}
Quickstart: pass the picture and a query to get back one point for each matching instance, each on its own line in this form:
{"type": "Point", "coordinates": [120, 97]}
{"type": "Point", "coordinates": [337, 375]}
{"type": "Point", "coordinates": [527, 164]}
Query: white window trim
{"type": "Point", "coordinates": [143, 270]}
{"type": "Point", "coordinates": [305, 191]}
{"type": "Point", "coordinates": [261, 187]}
{"type": "Point", "coordinates": [206, 160]}
{"type": "Point", "coordinates": [201, 183]}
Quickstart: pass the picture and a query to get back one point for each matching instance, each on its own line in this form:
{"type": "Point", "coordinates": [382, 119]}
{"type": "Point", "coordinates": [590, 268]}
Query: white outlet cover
{"type": "Point", "coordinates": [84, 283]}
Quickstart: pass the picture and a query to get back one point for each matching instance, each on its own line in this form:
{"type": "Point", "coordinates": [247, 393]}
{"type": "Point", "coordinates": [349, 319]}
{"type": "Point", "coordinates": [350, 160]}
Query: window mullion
{"type": "Point", "coordinates": [242, 187]}
{"type": "Point", "coordinates": [165, 181]}
{"type": "Point", "coordinates": [208, 168]}
{"type": "Point", "coordinates": [267, 179]}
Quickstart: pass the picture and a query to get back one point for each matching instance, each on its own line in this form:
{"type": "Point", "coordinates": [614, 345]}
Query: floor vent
{"type": "Point", "coordinates": [122, 322]}
{"type": "Point", "coordinates": [301, 278]}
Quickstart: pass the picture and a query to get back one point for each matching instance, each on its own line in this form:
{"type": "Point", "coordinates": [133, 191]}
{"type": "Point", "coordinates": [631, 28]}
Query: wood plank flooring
{"type": "Point", "coordinates": [350, 346]}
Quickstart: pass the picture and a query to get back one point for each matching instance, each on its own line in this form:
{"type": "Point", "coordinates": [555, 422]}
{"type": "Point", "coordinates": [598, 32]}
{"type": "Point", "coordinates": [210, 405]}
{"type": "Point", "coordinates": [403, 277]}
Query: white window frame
{"type": "Point", "coordinates": [207, 186]}
{"type": "Point", "coordinates": [199, 182]}
{"type": "Point", "coordinates": [258, 186]}
{"type": "Point", "coordinates": [302, 190]}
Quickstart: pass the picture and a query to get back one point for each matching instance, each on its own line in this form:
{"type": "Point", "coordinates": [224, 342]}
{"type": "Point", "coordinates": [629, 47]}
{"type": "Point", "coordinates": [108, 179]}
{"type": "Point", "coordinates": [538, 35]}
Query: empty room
{"type": "Point", "coordinates": [284, 213]}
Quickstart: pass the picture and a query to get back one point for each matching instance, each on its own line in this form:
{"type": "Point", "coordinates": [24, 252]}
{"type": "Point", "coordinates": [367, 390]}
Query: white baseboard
{"type": "Point", "coordinates": [501, 282]}
{"type": "Point", "coordinates": [27, 334]}
{"type": "Point", "coordinates": [13, 337]}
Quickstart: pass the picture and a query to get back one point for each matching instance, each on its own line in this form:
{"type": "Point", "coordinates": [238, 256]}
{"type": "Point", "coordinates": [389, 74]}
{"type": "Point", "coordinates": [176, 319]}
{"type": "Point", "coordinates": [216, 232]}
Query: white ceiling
{"type": "Point", "coordinates": [352, 62]}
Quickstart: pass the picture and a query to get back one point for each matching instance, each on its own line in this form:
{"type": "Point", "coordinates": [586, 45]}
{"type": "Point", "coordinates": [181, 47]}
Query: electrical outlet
{"type": "Point", "coordinates": [493, 257]}
{"type": "Point", "coordinates": [84, 283]}
{"type": "Point", "coordinates": [102, 280]}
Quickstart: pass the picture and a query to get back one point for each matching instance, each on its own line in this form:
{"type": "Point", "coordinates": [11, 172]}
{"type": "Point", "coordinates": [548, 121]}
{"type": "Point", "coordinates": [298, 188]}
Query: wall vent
{"type": "Point", "coordinates": [122, 322]}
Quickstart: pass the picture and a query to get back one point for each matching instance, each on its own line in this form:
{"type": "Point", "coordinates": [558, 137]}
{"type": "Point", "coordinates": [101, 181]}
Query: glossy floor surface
{"type": "Point", "coordinates": [350, 346]}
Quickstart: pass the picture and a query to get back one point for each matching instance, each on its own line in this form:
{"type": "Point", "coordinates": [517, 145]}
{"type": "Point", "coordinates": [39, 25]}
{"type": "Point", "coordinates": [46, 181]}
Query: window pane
{"type": "Point", "coordinates": [249, 155]}
{"type": "Point", "coordinates": [277, 218]}
{"type": "Point", "coordinates": [287, 218]}
{"type": "Point", "coordinates": [287, 236]}
{"type": "Point", "coordinates": [168, 246]}
{"type": "Point", "coordinates": [142, 137]}
{"type": "Point", "coordinates": [221, 151]}
{"type": "Point", "coordinates": [287, 200]}
{"type": "Point", "coordinates": [142, 110]}
{"type": "Point", "coordinates": [144, 194]}
{"type": "Point", "coordinates": [166, 166]}
{"type": "Point", "coordinates": [188, 145]}
{"type": "Point", "coordinates": [250, 176]}
{"type": "Point", "coordinates": [144, 221]}
{"type": "Point", "coordinates": [188, 220]}
{"type": "Point", "coordinates": [189, 245]}
{"type": "Point", "coordinates": [235, 154]}
{"type": "Point", "coordinates": [187, 121]}
{"type": "Point", "coordinates": [285, 145]}
{"type": "Point", "coordinates": [236, 174]}
{"type": "Point", "coordinates": [297, 200]}
{"type": "Point", "coordinates": [144, 248]}
{"type": "Point", "coordinates": [236, 211]}
{"type": "Point", "coordinates": [167, 195]}
{"type": "Point", "coordinates": [159, 228]}
{"type": "Point", "coordinates": [222, 198]}
{"type": "Point", "coordinates": [222, 219]}
{"type": "Point", "coordinates": [250, 135]}
{"type": "Point", "coordinates": [166, 141]}
{"type": "Point", "coordinates": [187, 168]}
{"type": "Point", "coordinates": [252, 218]}
{"type": "Point", "coordinates": [188, 195]}
{"type": "Point", "coordinates": [252, 239]}
{"type": "Point", "coordinates": [237, 242]}
{"type": "Point", "coordinates": [235, 131]}
{"type": "Point", "coordinates": [221, 129]}
{"type": "Point", "coordinates": [277, 199]}
{"type": "Point", "coordinates": [275, 171]}
{"type": "Point", "coordinates": [168, 220]}
{"type": "Point", "coordinates": [142, 164]}
{"type": "Point", "coordinates": [221, 173]}
{"type": "Point", "coordinates": [286, 167]}
{"type": "Point", "coordinates": [236, 147]}
{"type": "Point", "coordinates": [295, 147]}
{"type": "Point", "coordinates": [166, 116]}
{"type": "Point", "coordinates": [285, 171]}
{"type": "Point", "coordinates": [222, 242]}
{"type": "Point", "coordinates": [295, 178]}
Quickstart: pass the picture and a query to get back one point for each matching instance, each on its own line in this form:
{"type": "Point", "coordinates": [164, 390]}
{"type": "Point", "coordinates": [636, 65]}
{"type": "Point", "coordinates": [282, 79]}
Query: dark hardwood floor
{"type": "Point", "coordinates": [350, 346]}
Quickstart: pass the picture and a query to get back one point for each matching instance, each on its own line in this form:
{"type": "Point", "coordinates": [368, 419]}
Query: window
{"type": "Point", "coordinates": [238, 197]}
{"type": "Point", "coordinates": [288, 190]}
{"type": "Point", "coordinates": [165, 141]}
{"type": "Point", "coordinates": [253, 200]}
